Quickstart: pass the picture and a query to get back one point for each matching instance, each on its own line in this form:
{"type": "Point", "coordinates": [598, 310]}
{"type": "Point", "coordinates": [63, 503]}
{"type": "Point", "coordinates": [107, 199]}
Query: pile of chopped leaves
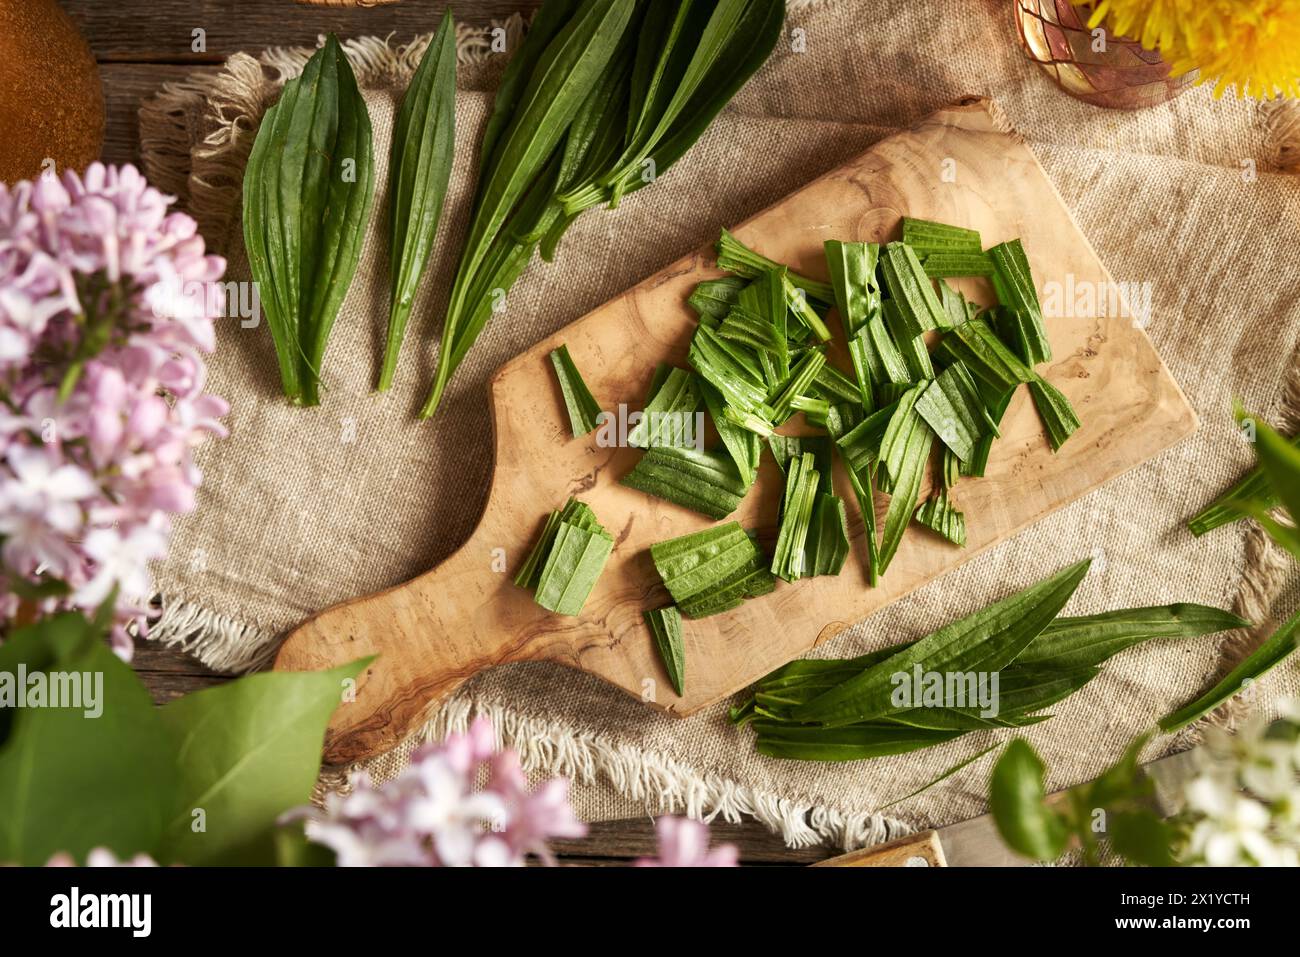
{"type": "Point", "coordinates": [932, 376]}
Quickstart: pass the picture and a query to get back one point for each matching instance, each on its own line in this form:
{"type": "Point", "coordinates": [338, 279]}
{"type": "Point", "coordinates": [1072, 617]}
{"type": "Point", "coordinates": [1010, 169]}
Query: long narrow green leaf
{"type": "Point", "coordinates": [1091, 640]}
{"type": "Point", "coordinates": [562, 78]}
{"type": "Point", "coordinates": [1228, 507]}
{"type": "Point", "coordinates": [1261, 661]}
{"type": "Point", "coordinates": [419, 169]}
{"type": "Point", "coordinates": [987, 641]}
{"type": "Point", "coordinates": [337, 218]}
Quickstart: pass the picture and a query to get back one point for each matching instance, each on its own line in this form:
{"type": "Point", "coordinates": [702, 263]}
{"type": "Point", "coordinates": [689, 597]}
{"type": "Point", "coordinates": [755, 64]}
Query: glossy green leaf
{"type": "Point", "coordinates": [424, 140]}
{"type": "Point", "coordinates": [247, 751]}
{"type": "Point", "coordinates": [1092, 639]}
{"type": "Point", "coordinates": [1260, 662]}
{"type": "Point", "coordinates": [308, 187]}
{"type": "Point", "coordinates": [1017, 800]}
{"type": "Point", "coordinates": [691, 564]}
{"type": "Point", "coordinates": [1014, 285]}
{"type": "Point", "coordinates": [984, 641]}
{"type": "Point", "coordinates": [706, 482]}
{"type": "Point", "coordinates": [98, 774]}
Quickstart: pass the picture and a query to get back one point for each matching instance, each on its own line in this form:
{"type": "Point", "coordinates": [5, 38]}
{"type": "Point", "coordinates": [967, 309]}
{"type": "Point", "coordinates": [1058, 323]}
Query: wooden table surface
{"type": "Point", "coordinates": [142, 44]}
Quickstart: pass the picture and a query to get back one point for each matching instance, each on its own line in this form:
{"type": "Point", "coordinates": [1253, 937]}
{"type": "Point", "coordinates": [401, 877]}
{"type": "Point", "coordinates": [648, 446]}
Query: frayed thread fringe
{"type": "Point", "coordinates": [653, 778]}
{"type": "Point", "coordinates": [219, 642]}
{"type": "Point", "coordinates": [203, 167]}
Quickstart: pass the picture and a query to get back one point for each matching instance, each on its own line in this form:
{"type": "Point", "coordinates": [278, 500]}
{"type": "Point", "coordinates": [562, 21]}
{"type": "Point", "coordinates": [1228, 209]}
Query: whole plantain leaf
{"type": "Point", "coordinates": [424, 140]}
{"type": "Point", "coordinates": [308, 187]}
{"type": "Point", "coordinates": [985, 641]}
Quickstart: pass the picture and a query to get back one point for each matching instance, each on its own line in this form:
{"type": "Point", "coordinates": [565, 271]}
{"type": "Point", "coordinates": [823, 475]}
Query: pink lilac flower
{"type": "Point", "coordinates": [685, 843]}
{"type": "Point", "coordinates": [434, 815]}
{"type": "Point", "coordinates": [106, 310]}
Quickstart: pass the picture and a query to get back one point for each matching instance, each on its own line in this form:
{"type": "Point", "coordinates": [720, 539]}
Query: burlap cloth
{"type": "Point", "coordinates": [300, 509]}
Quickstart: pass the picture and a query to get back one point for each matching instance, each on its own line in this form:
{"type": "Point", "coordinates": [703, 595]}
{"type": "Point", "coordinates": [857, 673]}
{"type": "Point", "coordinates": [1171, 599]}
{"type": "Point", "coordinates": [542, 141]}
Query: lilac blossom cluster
{"type": "Point", "coordinates": [105, 314]}
{"type": "Point", "coordinates": [433, 815]}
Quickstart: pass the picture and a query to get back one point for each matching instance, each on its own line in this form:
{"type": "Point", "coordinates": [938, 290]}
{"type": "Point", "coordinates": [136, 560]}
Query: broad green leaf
{"type": "Point", "coordinates": [1017, 802]}
{"type": "Point", "coordinates": [246, 752]}
{"type": "Point", "coordinates": [96, 775]}
{"type": "Point", "coordinates": [308, 187]}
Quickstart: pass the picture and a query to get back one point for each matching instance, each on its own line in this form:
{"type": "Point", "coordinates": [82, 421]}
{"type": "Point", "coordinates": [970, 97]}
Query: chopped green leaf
{"type": "Point", "coordinates": [706, 482]}
{"type": "Point", "coordinates": [908, 285]}
{"type": "Point", "coordinates": [853, 279]}
{"type": "Point", "coordinates": [735, 257]}
{"type": "Point", "coordinates": [938, 514]}
{"type": "Point", "coordinates": [694, 563]}
{"type": "Point", "coordinates": [1054, 409]}
{"type": "Point", "coordinates": [666, 627]}
{"type": "Point", "coordinates": [669, 418]}
{"type": "Point", "coordinates": [941, 265]}
{"type": "Point", "coordinates": [911, 348]}
{"type": "Point", "coordinates": [1014, 285]}
{"type": "Point", "coordinates": [575, 561]}
{"type": "Point", "coordinates": [952, 406]}
{"type": "Point", "coordinates": [578, 400]}
{"type": "Point", "coordinates": [927, 236]}
{"type": "Point", "coordinates": [713, 298]}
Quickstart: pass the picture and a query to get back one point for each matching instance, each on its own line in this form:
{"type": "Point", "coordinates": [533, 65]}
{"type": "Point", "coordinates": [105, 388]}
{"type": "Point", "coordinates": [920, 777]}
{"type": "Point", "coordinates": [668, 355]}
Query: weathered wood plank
{"type": "Point", "coordinates": [162, 31]}
{"type": "Point", "coordinates": [125, 86]}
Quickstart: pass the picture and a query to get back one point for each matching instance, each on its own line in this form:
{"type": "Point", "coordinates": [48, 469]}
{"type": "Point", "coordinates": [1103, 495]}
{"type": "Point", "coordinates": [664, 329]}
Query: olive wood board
{"type": "Point", "coordinates": [432, 633]}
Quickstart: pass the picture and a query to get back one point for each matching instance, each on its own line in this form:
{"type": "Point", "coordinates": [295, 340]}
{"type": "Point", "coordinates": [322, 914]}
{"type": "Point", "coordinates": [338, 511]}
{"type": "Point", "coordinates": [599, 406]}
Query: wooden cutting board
{"type": "Point", "coordinates": [466, 615]}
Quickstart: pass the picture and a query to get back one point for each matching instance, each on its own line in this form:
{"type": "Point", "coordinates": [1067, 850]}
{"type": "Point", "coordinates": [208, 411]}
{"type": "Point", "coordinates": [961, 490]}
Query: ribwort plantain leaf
{"type": "Point", "coordinates": [308, 186]}
{"type": "Point", "coordinates": [424, 139]}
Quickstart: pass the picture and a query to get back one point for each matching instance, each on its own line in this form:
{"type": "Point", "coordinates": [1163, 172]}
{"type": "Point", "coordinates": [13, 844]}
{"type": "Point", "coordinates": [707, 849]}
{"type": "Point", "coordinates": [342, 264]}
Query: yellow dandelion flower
{"type": "Point", "coordinates": [1252, 45]}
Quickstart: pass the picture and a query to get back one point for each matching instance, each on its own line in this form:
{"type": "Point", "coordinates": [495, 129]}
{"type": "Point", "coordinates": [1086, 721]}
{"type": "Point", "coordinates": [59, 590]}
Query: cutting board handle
{"type": "Point", "coordinates": [429, 635]}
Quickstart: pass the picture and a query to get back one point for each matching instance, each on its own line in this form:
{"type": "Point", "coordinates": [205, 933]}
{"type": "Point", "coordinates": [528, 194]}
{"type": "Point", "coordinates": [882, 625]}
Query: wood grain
{"type": "Point", "coordinates": [916, 850]}
{"type": "Point", "coordinates": [162, 30]}
{"type": "Point", "coordinates": [435, 631]}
